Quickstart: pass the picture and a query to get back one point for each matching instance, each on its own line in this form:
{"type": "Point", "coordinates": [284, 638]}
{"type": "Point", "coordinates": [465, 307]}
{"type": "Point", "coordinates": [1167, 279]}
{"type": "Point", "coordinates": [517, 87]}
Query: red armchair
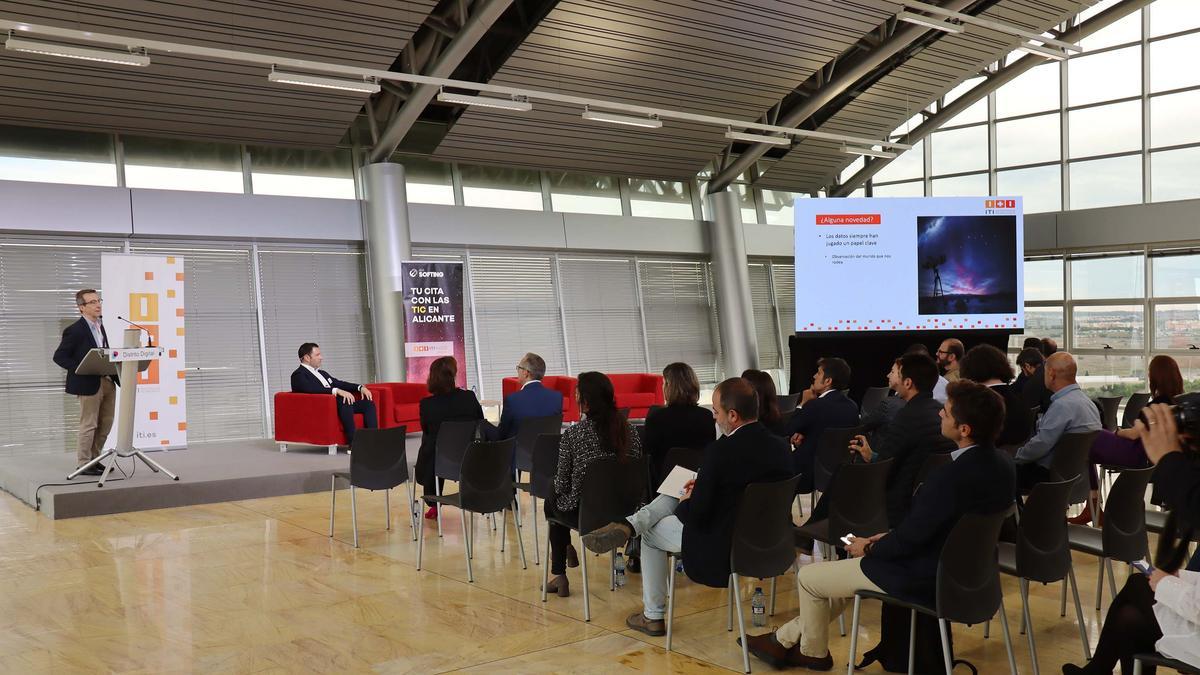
{"type": "Point", "coordinates": [311, 419]}
{"type": "Point", "coordinates": [563, 384]}
{"type": "Point", "coordinates": [404, 404]}
{"type": "Point", "coordinates": [637, 391]}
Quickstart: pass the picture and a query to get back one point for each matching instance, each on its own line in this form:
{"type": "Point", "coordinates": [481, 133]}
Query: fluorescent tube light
{"type": "Point", "coordinates": [516, 103]}
{"type": "Point", "coordinates": [757, 138]}
{"type": "Point", "coordinates": [82, 53]}
{"type": "Point", "coordinates": [360, 86]}
{"type": "Point", "coordinates": [1042, 50]}
{"type": "Point", "coordinates": [929, 22]}
{"type": "Point", "coordinates": [649, 122]}
{"type": "Point", "coordinates": [869, 152]}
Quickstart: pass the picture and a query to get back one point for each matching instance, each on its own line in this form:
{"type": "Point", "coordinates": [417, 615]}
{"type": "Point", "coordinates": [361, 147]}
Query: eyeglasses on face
{"type": "Point", "coordinates": [90, 302]}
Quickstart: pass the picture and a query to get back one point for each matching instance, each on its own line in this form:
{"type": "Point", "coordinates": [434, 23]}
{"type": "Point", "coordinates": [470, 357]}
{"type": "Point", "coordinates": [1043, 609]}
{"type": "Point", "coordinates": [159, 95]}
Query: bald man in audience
{"type": "Point", "coordinates": [1070, 412]}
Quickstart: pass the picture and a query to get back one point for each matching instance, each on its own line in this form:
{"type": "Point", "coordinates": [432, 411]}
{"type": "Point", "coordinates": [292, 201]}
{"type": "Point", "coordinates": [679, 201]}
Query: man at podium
{"type": "Point", "coordinates": [97, 394]}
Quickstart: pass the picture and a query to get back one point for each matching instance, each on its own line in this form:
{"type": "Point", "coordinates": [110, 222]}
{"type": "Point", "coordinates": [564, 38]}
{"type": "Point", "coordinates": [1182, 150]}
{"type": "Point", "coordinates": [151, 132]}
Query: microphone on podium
{"type": "Point", "coordinates": [149, 335]}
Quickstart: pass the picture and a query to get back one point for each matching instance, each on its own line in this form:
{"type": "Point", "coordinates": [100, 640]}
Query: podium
{"type": "Point", "coordinates": [126, 362]}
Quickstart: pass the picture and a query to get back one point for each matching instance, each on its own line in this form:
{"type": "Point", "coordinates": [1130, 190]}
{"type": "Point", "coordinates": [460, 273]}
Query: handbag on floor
{"type": "Point", "coordinates": [892, 650]}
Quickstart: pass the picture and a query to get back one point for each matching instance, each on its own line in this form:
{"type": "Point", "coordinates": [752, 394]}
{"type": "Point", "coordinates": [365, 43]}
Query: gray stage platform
{"type": "Point", "coordinates": [208, 473]}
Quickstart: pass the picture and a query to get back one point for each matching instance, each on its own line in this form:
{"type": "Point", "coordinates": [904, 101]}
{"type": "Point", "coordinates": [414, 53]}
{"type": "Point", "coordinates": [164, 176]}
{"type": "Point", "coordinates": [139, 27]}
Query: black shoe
{"type": "Point", "coordinates": [93, 470]}
{"type": "Point", "coordinates": [633, 565]}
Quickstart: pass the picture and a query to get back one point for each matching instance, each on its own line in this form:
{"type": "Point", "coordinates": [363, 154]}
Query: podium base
{"type": "Point", "coordinates": [114, 453]}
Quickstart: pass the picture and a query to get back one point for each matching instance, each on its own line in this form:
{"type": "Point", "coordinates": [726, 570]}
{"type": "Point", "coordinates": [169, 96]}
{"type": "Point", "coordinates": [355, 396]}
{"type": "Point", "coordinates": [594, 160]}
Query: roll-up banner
{"type": "Point", "coordinates": [148, 290]}
{"type": "Point", "coordinates": [434, 319]}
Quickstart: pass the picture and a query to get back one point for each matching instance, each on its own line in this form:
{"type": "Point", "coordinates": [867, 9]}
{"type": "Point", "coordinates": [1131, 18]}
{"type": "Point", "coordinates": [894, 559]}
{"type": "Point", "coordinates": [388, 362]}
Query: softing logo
{"type": "Point", "coordinates": [414, 273]}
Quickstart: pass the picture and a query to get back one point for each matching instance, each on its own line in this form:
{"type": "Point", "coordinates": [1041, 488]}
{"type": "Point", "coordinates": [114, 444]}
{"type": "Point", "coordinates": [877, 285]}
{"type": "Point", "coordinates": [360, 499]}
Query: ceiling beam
{"type": "Point", "coordinates": [980, 91]}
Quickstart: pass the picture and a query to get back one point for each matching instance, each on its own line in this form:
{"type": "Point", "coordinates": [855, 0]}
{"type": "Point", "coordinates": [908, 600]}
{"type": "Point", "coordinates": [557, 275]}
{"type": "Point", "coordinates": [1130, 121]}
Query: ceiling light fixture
{"type": "Point", "coordinates": [517, 103]}
{"type": "Point", "coordinates": [869, 152]}
{"type": "Point", "coordinates": [1042, 50]}
{"type": "Point", "coordinates": [650, 121]}
{"type": "Point", "coordinates": [363, 86]}
{"type": "Point", "coordinates": [132, 58]}
{"type": "Point", "coordinates": [930, 22]}
{"type": "Point", "coordinates": [992, 24]}
{"type": "Point", "coordinates": [757, 138]}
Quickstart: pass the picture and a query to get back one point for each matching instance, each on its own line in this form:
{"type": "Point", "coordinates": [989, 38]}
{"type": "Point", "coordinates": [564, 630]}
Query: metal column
{"type": "Point", "coordinates": [385, 224]}
{"type": "Point", "coordinates": [735, 313]}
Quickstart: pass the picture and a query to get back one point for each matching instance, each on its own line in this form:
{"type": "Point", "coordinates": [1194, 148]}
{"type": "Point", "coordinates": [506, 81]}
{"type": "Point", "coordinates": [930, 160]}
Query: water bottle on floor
{"type": "Point", "coordinates": [619, 568]}
{"type": "Point", "coordinates": [758, 608]}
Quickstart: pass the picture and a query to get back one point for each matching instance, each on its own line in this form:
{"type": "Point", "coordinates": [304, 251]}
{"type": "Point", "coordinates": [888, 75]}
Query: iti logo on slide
{"type": "Point", "coordinates": [994, 205]}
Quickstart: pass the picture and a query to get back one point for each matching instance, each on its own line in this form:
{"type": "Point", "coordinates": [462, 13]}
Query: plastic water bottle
{"type": "Point", "coordinates": [619, 569]}
{"type": "Point", "coordinates": [679, 565]}
{"type": "Point", "coordinates": [758, 608]}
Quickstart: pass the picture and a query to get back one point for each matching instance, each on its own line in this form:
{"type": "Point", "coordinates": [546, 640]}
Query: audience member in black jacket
{"type": "Point", "coordinates": [903, 562]}
{"type": "Point", "coordinates": [1023, 376]}
{"type": "Point", "coordinates": [822, 406]}
{"type": "Point", "coordinates": [989, 366]}
{"type": "Point", "coordinates": [445, 403]}
{"type": "Point", "coordinates": [681, 423]}
{"type": "Point", "coordinates": [1035, 393]}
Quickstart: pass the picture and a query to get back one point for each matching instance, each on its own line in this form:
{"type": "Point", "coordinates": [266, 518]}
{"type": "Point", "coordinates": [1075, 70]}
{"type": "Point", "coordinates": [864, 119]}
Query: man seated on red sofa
{"type": "Point", "coordinates": [310, 379]}
{"type": "Point", "coordinates": [533, 399]}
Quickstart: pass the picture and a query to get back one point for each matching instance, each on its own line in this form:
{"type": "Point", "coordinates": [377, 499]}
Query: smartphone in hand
{"type": "Point", "coordinates": [1143, 566]}
{"type": "Point", "coordinates": [849, 538]}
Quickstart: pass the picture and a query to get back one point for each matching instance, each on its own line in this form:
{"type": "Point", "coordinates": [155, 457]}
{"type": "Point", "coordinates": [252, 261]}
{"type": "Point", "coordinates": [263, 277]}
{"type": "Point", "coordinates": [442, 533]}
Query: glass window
{"type": "Point", "coordinates": [1044, 280]}
{"type": "Point", "coordinates": [1105, 129]}
{"type": "Point", "coordinates": [960, 150]}
{"type": "Point", "coordinates": [908, 164]}
{"type": "Point", "coordinates": [780, 207]}
{"type": "Point", "coordinates": [1111, 375]}
{"type": "Point", "coordinates": [976, 112]}
{"type": "Point", "coordinates": [1176, 326]}
{"type": "Point", "coordinates": [56, 156]}
{"type": "Point", "coordinates": [1172, 16]}
{"type": "Point", "coordinates": [501, 187]}
{"type": "Point", "coordinates": [1033, 91]}
{"type": "Point", "coordinates": [1177, 276]}
{"type": "Point", "coordinates": [173, 164]}
{"type": "Point", "coordinates": [745, 195]}
{"type": "Point", "coordinates": [860, 192]}
{"type": "Point", "coordinates": [914, 188]}
{"type": "Point", "coordinates": [1029, 140]}
{"type": "Point", "coordinates": [1173, 119]}
{"type": "Point", "coordinates": [852, 168]}
{"type": "Point", "coordinates": [1040, 322]}
{"type": "Point", "coordinates": [1126, 30]}
{"type": "Point", "coordinates": [1104, 76]}
{"type": "Point", "coordinates": [301, 173]}
{"type": "Point", "coordinates": [428, 182]}
{"type": "Point", "coordinates": [974, 185]}
{"type": "Point", "coordinates": [660, 199]}
{"type": "Point", "coordinates": [582, 193]}
{"type": "Point", "coordinates": [1175, 174]}
{"type": "Point", "coordinates": [1106, 182]}
{"type": "Point", "coordinates": [1118, 326]}
{"type": "Point", "coordinates": [1112, 277]}
{"type": "Point", "coordinates": [1040, 187]}
{"type": "Point", "coordinates": [1173, 63]}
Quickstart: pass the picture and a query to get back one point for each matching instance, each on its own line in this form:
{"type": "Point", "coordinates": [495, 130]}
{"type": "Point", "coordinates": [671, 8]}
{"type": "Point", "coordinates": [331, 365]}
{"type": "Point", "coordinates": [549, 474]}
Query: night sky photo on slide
{"type": "Point", "coordinates": [967, 264]}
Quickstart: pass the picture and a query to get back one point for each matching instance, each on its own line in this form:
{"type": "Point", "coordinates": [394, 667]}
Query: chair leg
{"type": "Point", "coordinates": [1027, 621]}
{"type": "Point", "coordinates": [854, 635]}
{"type": "Point", "coordinates": [987, 629]}
{"type": "Point", "coordinates": [546, 567]}
{"type": "Point", "coordinates": [729, 624]}
{"type": "Point", "coordinates": [1012, 658]}
{"type": "Point", "coordinates": [332, 501]}
{"type": "Point", "coordinates": [842, 624]}
{"type": "Point", "coordinates": [737, 599]}
{"type": "Point", "coordinates": [412, 513]}
{"type": "Point", "coordinates": [420, 544]}
{"type": "Point", "coordinates": [493, 522]}
{"type": "Point", "coordinates": [353, 515]}
{"type": "Point", "coordinates": [333, 449]}
{"type": "Point", "coordinates": [462, 516]}
{"type": "Point", "coordinates": [1062, 610]}
{"type": "Point", "coordinates": [670, 599]}
{"type": "Point", "coordinates": [1083, 636]}
{"type": "Point", "coordinates": [520, 540]}
{"type": "Point", "coordinates": [437, 488]}
{"type": "Point", "coordinates": [1099, 582]}
{"type": "Point", "coordinates": [912, 641]}
{"type": "Point", "coordinates": [944, 629]}
{"type": "Point", "coordinates": [537, 557]}
{"type": "Point", "coordinates": [773, 580]}
{"type": "Point", "coordinates": [503, 531]}
{"type": "Point", "coordinates": [1137, 667]}
{"type": "Point", "coordinates": [587, 596]}
{"type": "Point", "coordinates": [387, 509]}
{"type": "Point", "coordinates": [1112, 583]}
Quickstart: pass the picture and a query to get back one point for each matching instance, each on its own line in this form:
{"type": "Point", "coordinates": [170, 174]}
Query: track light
{"type": "Point", "coordinates": [757, 138]}
{"type": "Point", "coordinates": [650, 121]}
{"type": "Point", "coordinates": [1042, 50]}
{"type": "Point", "coordinates": [869, 152]}
{"type": "Point", "coordinates": [363, 86]}
{"type": "Point", "coordinates": [134, 58]}
{"type": "Point", "coordinates": [929, 22]}
{"type": "Point", "coordinates": [518, 103]}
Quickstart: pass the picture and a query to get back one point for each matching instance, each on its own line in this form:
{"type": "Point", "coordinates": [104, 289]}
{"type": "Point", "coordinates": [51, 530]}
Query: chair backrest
{"type": "Point", "coordinates": [486, 483]}
{"type": "Point", "coordinates": [787, 402]}
{"type": "Point", "coordinates": [1043, 551]}
{"type": "Point", "coordinates": [379, 458]}
{"type": "Point", "coordinates": [624, 413]}
{"type": "Point", "coordinates": [1133, 408]}
{"type": "Point", "coordinates": [1108, 411]}
{"type": "Point", "coordinates": [763, 543]}
{"type": "Point", "coordinates": [527, 434]}
{"type": "Point", "coordinates": [611, 491]}
{"type": "Point", "coordinates": [452, 440]}
{"type": "Point", "coordinates": [688, 458]}
{"type": "Point", "coordinates": [1124, 530]}
{"type": "Point", "coordinates": [1070, 459]}
{"type": "Point", "coordinates": [858, 500]}
{"type": "Point", "coordinates": [833, 450]}
{"type": "Point", "coordinates": [968, 575]}
{"type": "Point", "coordinates": [545, 465]}
{"type": "Point", "coordinates": [872, 397]}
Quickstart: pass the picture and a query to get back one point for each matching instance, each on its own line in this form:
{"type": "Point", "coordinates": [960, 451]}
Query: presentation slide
{"type": "Point", "coordinates": [909, 263]}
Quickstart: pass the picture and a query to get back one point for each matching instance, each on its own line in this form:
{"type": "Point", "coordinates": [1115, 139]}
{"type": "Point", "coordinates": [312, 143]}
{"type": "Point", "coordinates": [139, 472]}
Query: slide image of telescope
{"type": "Point", "coordinates": [966, 265]}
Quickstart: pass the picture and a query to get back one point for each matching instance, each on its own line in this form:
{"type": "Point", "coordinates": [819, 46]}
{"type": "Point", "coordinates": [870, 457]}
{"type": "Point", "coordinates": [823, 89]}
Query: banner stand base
{"type": "Point", "coordinates": [114, 454]}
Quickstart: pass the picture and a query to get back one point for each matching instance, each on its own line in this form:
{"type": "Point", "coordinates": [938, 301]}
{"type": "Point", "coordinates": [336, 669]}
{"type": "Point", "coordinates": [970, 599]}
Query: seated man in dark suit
{"type": "Point", "coordinates": [533, 399]}
{"type": "Point", "coordinates": [700, 522]}
{"type": "Point", "coordinates": [310, 379]}
{"type": "Point", "coordinates": [903, 562]}
{"type": "Point", "coordinates": [822, 406]}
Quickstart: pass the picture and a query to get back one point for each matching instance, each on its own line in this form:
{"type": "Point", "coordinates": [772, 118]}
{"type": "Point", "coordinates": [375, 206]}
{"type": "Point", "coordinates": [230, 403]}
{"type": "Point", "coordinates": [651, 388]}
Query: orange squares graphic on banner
{"type": "Point", "coordinates": [164, 442]}
{"type": "Point", "coordinates": [173, 353]}
{"type": "Point", "coordinates": [173, 400]}
{"type": "Point", "coordinates": [179, 311]}
{"type": "Point", "coordinates": [183, 426]}
{"type": "Point", "coordinates": [143, 307]}
{"type": "Point", "coordinates": [150, 375]}
{"type": "Point", "coordinates": [179, 332]}
{"type": "Point", "coordinates": [179, 276]}
{"type": "Point", "coordinates": [149, 276]}
{"type": "Point", "coordinates": [153, 414]}
{"type": "Point", "coordinates": [170, 260]}
{"type": "Point", "coordinates": [181, 374]}
{"type": "Point", "coordinates": [170, 292]}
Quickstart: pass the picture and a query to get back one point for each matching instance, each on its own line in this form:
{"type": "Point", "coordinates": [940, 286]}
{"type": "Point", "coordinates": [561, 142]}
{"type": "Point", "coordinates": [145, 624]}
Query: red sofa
{"type": "Point", "coordinates": [311, 419]}
{"type": "Point", "coordinates": [404, 404]}
{"type": "Point", "coordinates": [637, 391]}
{"type": "Point", "coordinates": [563, 384]}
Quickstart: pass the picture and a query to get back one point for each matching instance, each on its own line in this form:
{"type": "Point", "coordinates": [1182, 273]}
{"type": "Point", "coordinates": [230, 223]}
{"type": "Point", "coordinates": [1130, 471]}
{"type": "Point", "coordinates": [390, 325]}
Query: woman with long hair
{"type": "Point", "coordinates": [768, 401]}
{"type": "Point", "coordinates": [445, 402]}
{"type": "Point", "coordinates": [602, 433]}
{"type": "Point", "coordinates": [682, 422]}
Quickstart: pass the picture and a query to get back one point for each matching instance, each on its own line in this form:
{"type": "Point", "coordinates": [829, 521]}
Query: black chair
{"type": "Point", "coordinates": [787, 402]}
{"type": "Point", "coordinates": [531, 429]}
{"type": "Point", "coordinates": [543, 464]}
{"type": "Point", "coordinates": [933, 461]}
{"type": "Point", "coordinates": [833, 450]}
{"type": "Point", "coordinates": [967, 588]}
{"type": "Point", "coordinates": [688, 458]}
{"type": "Point", "coordinates": [1123, 535]}
{"type": "Point", "coordinates": [449, 449]}
{"type": "Point", "coordinates": [1156, 522]}
{"type": "Point", "coordinates": [1133, 408]}
{"type": "Point", "coordinates": [1109, 405]}
{"type": "Point", "coordinates": [485, 485]}
{"type": "Point", "coordinates": [857, 505]}
{"type": "Point", "coordinates": [378, 461]}
{"type": "Point", "coordinates": [871, 399]}
{"type": "Point", "coordinates": [1160, 661]}
{"type": "Point", "coordinates": [1042, 553]}
{"type": "Point", "coordinates": [1071, 457]}
{"type": "Point", "coordinates": [611, 491]}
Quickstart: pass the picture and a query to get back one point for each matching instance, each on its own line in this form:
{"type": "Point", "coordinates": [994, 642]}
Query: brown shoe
{"type": "Point", "coordinates": [651, 627]}
{"type": "Point", "coordinates": [608, 537]}
{"type": "Point", "coordinates": [572, 556]}
{"type": "Point", "coordinates": [559, 586]}
{"type": "Point", "coordinates": [768, 649]}
{"type": "Point", "coordinates": [796, 659]}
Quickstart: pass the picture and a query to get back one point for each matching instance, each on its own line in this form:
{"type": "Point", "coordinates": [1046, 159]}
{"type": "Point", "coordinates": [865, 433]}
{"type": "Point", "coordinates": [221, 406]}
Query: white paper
{"type": "Point", "coordinates": [672, 486]}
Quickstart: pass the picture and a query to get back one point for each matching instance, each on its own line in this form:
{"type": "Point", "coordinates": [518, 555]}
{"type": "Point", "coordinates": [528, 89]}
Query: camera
{"type": "Point", "coordinates": [1187, 415]}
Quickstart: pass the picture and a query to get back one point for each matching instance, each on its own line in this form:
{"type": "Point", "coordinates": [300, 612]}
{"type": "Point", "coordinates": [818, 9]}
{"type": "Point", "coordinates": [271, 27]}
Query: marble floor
{"type": "Point", "coordinates": [258, 587]}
